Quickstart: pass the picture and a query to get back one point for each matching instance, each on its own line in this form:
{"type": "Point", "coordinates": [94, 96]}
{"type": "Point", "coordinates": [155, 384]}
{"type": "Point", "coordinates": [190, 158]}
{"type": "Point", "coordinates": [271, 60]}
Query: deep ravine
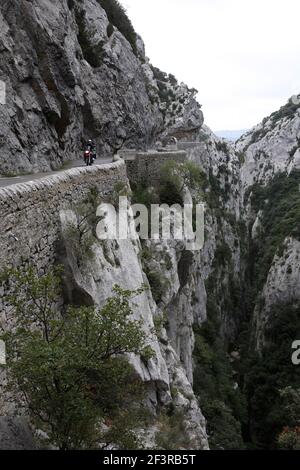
{"type": "Point", "coordinates": [221, 320]}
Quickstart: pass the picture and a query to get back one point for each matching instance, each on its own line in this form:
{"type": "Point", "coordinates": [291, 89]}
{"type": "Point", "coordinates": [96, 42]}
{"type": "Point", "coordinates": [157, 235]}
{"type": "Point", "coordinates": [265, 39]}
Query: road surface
{"type": "Point", "coordinates": [8, 181]}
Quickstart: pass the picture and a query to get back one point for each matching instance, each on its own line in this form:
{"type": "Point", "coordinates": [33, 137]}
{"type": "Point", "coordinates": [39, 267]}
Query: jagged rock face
{"type": "Point", "coordinates": [70, 75]}
{"type": "Point", "coordinates": [15, 434]}
{"type": "Point", "coordinates": [119, 262]}
{"type": "Point", "coordinates": [271, 147]}
{"type": "Point", "coordinates": [183, 274]}
{"type": "Point", "coordinates": [223, 222]}
{"type": "Point", "coordinates": [270, 154]}
{"type": "Point", "coordinates": [281, 287]}
{"type": "Point", "coordinates": [219, 159]}
{"type": "Point", "coordinates": [177, 279]}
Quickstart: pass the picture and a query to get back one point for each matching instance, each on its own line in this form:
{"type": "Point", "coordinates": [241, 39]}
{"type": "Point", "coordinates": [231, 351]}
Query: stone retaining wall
{"type": "Point", "coordinates": [29, 212]}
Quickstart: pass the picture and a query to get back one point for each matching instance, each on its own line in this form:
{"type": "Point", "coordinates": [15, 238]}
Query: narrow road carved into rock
{"type": "Point", "coordinates": [10, 180]}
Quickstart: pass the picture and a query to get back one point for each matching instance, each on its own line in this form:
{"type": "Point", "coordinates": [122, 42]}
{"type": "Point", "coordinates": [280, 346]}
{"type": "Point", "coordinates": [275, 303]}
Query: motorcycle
{"type": "Point", "coordinates": [88, 157]}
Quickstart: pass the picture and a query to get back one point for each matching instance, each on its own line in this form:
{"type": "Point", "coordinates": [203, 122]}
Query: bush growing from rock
{"type": "Point", "coordinates": [68, 367]}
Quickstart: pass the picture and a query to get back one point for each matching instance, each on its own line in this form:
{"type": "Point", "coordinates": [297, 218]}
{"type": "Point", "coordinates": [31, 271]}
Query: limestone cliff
{"type": "Point", "coordinates": [270, 182]}
{"type": "Point", "coordinates": [272, 146]}
{"type": "Point", "coordinates": [270, 178]}
{"type": "Point", "coordinates": [181, 282]}
{"type": "Point", "coordinates": [75, 70]}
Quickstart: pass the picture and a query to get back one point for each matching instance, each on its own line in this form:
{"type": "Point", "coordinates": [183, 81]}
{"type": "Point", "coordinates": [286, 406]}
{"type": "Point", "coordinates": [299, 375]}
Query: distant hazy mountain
{"type": "Point", "coordinates": [231, 135]}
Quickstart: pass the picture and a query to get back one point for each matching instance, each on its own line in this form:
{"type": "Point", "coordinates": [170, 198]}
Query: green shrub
{"type": "Point", "coordinates": [159, 75]}
{"type": "Point", "coordinates": [291, 402]}
{"type": "Point", "coordinates": [157, 283]}
{"type": "Point", "coordinates": [81, 235]}
{"type": "Point", "coordinates": [171, 435]}
{"type": "Point", "coordinates": [160, 322]}
{"type": "Point", "coordinates": [174, 176]}
{"type": "Point", "coordinates": [256, 136]}
{"type": "Point", "coordinates": [146, 254]}
{"type": "Point", "coordinates": [241, 157]}
{"type": "Point", "coordinates": [166, 94]}
{"type": "Point", "coordinates": [216, 192]}
{"type": "Point", "coordinates": [286, 111]}
{"type": "Point", "coordinates": [194, 175]}
{"type": "Point", "coordinates": [142, 194]}
{"type": "Point", "coordinates": [222, 146]}
{"type": "Point", "coordinates": [222, 255]}
{"type": "Point", "coordinates": [171, 173]}
{"type": "Point", "coordinates": [289, 439]}
{"type": "Point", "coordinates": [223, 429]}
{"type": "Point", "coordinates": [168, 261]}
{"type": "Point", "coordinates": [173, 80]}
{"type": "Point", "coordinates": [117, 16]}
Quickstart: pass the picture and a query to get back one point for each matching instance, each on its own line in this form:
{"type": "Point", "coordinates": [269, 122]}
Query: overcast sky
{"type": "Point", "coordinates": [242, 55]}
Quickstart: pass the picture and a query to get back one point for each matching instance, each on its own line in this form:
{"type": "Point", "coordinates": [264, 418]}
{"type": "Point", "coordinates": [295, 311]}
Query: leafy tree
{"type": "Point", "coordinates": [69, 367]}
{"type": "Point", "coordinates": [224, 429]}
{"type": "Point", "coordinates": [268, 376]}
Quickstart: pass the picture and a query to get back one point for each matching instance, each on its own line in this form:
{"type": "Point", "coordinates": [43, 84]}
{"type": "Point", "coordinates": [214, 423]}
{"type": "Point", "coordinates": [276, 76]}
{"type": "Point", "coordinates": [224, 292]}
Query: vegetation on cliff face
{"type": "Point", "coordinates": [117, 16]}
{"type": "Point", "coordinates": [251, 401]}
{"type": "Point", "coordinates": [174, 178]}
{"type": "Point", "coordinates": [245, 397]}
{"type": "Point", "coordinates": [289, 438]}
{"type": "Point", "coordinates": [223, 405]}
{"type": "Point", "coordinates": [68, 367]}
{"type": "Point", "coordinates": [267, 374]}
{"type": "Point", "coordinates": [279, 203]}
{"type": "Point", "coordinates": [216, 382]}
{"type": "Point", "coordinates": [287, 111]}
{"type": "Point", "coordinates": [67, 363]}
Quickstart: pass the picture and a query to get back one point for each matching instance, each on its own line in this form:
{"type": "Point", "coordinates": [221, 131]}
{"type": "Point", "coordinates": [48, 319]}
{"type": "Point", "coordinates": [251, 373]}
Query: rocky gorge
{"type": "Point", "coordinates": [76, 69]}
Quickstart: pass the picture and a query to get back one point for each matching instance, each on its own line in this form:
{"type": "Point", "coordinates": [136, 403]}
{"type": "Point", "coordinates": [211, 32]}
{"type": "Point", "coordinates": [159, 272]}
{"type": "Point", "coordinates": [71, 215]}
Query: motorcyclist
{"type": "Point", "coordinates": [92, 148]}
